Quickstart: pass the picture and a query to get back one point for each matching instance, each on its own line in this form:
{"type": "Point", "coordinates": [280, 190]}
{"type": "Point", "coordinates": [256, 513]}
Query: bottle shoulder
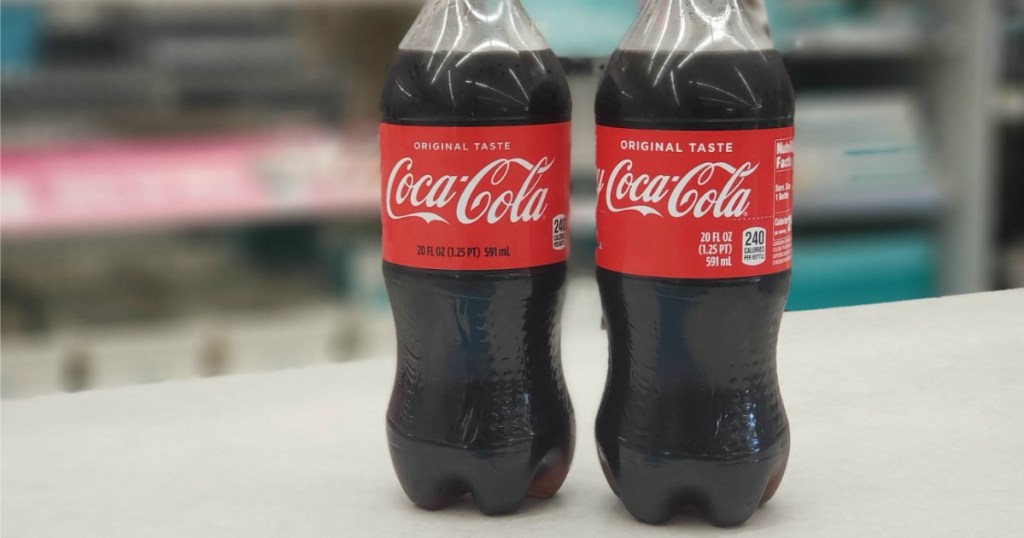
{"type": "Point", "coordinates": [695, 90]}
{"type": "Point", "coordinates": [475, 88]}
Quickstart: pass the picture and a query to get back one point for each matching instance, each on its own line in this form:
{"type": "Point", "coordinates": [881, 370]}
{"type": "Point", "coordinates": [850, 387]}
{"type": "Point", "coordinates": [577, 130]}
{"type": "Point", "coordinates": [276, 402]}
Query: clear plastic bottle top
{"type": "Point", "coordinates": [475, 62]}
{"type": "Point", "coordinates": [473, 26]}
{"type": "Point", "coordinates": [699, 26]}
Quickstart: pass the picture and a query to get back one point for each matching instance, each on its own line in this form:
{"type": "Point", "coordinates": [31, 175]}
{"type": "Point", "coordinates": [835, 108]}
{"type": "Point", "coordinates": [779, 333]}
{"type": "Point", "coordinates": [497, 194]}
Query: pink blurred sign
{"type": "Point", "coordinates": [111, 186]}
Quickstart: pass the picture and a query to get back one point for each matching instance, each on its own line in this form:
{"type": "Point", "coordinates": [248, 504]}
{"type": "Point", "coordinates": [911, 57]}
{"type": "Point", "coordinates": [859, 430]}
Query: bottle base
{"type": "Point", "coordinates": [436, 476]}
{"type": "Point", "coordinates": [726, 493]}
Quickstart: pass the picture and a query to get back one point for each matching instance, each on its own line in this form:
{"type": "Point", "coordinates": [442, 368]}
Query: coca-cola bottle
{"type": "Point", "coordinates": [475, 146]}
{"type": "Point", "coordinates": [694, 158]}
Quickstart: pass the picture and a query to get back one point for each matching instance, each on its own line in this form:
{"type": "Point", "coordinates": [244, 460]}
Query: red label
{"type": "Point", "coordinates": [695, 204]}
{"type": "Point", "coordinates": [475, 198]}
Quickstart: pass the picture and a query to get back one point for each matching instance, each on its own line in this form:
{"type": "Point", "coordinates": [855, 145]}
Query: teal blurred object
{"type": "Point", "coordinates": [583, 28]}
{"type": "Point", "coordinates": [863, 269]}
{"type": "Point", "coordinates": [20, 27]}
{"type": "Point", "coordinates": [788, 17]}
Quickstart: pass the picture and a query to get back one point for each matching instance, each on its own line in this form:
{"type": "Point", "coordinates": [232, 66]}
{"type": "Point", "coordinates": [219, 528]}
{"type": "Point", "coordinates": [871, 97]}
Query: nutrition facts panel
{"type": "Point", "coordinates": [782, 236]}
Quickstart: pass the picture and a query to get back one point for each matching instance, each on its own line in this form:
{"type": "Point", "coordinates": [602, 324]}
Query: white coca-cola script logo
{"type": "Point", "coordinates": [504, 189]}
{"type": "Point", "coordinates": [709, 188]}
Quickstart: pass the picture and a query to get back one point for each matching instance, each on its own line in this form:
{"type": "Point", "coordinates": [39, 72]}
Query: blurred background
{"type": "Point", "coordinates": [189, 188]}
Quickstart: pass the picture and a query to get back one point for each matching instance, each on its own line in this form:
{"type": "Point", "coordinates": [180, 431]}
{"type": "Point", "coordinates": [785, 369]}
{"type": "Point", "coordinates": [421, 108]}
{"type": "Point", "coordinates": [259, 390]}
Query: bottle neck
{"type": "Point", "coordinates": [481, 10]}
{"type": "Point", "coordinates": [473, 25]}
{"type": "Point", "coordinates": [699, 25]}
{"type": "Point", "coordinates": [484, 8]}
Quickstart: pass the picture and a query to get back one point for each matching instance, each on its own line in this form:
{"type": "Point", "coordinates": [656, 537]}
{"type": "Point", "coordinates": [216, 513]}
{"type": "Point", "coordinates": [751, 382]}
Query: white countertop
{"type": "Point", "coordinates": [907, 420]}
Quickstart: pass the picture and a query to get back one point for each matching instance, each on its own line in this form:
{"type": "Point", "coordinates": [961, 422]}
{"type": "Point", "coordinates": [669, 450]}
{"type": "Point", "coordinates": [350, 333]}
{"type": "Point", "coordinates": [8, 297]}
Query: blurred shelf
{"type": "Point", "coordinates": [1013, 265]}
{"type": "Point", "coordinates": [95, 87]}
{"type": "Point", "coordinates": [906, 48]}
{"type": "Point", "coordinates": [229, 3]}
{"type": "Point", "coordinates": [1011, 103]}
{"type": "Point", "coordinates": [582, 217]}
{"type": "Point", "coordinates": [132, 353]}
{"type": "Point", "coordinates": [868, 204]}
{"type": "Point", "coordinates": [115, 186]}
{"type": "Point", "coordinates": [846, 70]}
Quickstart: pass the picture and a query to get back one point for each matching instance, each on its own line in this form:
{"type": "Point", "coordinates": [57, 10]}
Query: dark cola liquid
{"type": "Point", "coordinates": [479, 404]}
{"type": "Point", "coordinates": [692, 413]}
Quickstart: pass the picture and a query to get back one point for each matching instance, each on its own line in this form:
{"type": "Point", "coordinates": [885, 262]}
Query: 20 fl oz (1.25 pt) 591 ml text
{"type": "Point", "coordinates": [442, 251]}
